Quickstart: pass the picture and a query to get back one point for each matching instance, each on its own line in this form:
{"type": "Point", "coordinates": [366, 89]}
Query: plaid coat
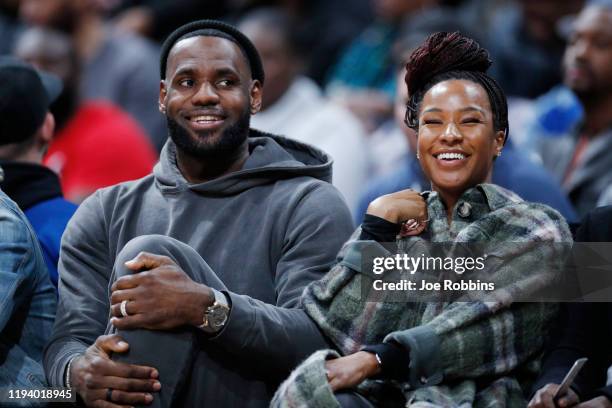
{"type": "Point", "coordinates": [462, 354]}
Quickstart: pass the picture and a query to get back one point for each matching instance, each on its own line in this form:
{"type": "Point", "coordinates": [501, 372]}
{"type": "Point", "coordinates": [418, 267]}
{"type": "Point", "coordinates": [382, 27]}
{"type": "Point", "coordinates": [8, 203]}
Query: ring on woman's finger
{"type": "Point", "coordinates": [411, 224]}
{"type": "Point", "coordinates": [123, 308]}
{"type": "Point", "coordinates": [109, 395]}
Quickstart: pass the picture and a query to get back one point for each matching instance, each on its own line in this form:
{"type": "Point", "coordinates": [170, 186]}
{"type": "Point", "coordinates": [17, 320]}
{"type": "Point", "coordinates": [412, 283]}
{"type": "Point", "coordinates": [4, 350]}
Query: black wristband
{"type": "Point", "coordinates": [394, 360]}
{"type": "Point", "coordinates": [378, 229]}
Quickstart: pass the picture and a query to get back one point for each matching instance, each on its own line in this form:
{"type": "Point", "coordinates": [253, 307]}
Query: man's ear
{"type": "Point", "coordinates": [47, 129]}
{"type": "Point", "coordinates": [163, 92]}
{"type": "Point", "coordinates": [255, 93]}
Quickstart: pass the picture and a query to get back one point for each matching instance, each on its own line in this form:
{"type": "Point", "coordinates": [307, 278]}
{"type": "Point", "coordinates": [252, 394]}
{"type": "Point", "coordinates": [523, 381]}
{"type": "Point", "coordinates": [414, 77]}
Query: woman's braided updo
{"type": "Point", "coordinates": [445, 56]}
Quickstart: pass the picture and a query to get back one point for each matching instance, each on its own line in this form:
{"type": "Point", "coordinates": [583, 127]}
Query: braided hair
{"type": "Point", "coordinates": [445, 56]}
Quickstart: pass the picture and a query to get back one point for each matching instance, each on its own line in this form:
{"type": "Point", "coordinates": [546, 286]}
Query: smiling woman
{"type": "Point", "coordinates": [468, 353]}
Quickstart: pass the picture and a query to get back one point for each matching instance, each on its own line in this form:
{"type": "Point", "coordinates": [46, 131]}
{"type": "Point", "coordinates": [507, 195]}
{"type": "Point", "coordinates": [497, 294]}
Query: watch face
{"type": "Point", "coordinates": [217, 316]}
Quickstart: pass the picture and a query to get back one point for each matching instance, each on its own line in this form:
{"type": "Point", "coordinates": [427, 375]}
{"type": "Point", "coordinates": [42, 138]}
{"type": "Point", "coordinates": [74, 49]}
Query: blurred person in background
{"type": "Point", "coordinates": [158, 18]}
{"type": "Point", "coordinates": [114, 66]}
{"type": "Point", "coordinates": [511, 170]}
{"type": "Point", "coordinates": [527, 45]}
{"type": "Point", "coordinates": [325, 26]}
{"type": "Point", "coordinates": [582, 159]}
{"type": "Point", "coordinates": [28, 297]}
{"type": "Point", "coordinates": [10, 26]}
{"type": "Point", "coordinates": [27, 130]}
{"type": "Point", "coordinates": [293, 105]}
{"type": "Point", "coordinates": [363, 77]}
{"type": "Point", "coordinates": [606, 197]}
{"type": "Point", "coordinates": [97, 144]}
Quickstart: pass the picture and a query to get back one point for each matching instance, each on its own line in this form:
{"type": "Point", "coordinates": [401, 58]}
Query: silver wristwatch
{"type": "Point", "coordinates": [215, 315]}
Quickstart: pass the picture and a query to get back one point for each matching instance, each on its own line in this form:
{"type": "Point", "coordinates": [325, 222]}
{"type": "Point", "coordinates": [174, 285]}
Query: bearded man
{"type": "Point", "coordinates": [581, 160]}
{"type": "Point", "coordinates": [182, 288]}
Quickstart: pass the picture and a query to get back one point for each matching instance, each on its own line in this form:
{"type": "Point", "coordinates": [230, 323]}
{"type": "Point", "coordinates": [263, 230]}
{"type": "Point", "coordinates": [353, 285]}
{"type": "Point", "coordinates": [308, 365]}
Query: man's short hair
{"type": "Point", "coordinates": [213, 28]}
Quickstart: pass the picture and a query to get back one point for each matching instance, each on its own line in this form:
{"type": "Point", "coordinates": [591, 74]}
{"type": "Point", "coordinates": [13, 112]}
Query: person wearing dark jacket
{"type": "Point", "coordinates": [586, 333]}
{"type": "Point", "coordinates": [202, 263]}
{"type": "Point", "coordinates": [27, 129]}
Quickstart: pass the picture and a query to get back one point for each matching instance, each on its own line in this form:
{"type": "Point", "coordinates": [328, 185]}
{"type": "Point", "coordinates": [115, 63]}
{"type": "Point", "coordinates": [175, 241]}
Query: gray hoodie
{"type": "Point", "coordinates": [267, 231]}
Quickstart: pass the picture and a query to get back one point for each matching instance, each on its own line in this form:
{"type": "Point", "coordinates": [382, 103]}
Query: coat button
{"type": "Point", "coordinates": [464, 210]}
{"type": "Point", "coordinates": [423, 380]}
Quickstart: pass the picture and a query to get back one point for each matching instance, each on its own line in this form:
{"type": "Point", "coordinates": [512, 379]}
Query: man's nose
{"type": "Point", "coordinates": [205, 95]}
{"type": "Point", "coordinates": [581, 49]}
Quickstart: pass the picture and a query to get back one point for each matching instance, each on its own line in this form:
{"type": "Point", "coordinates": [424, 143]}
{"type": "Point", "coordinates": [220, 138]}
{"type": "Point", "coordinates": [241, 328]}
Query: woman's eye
{"type": "Point", "coordinates": [471, 120]}
{"type": "Point", "coordinates": [432, 122]}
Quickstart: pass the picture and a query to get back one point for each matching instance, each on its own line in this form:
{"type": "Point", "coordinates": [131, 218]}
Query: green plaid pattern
{"type": "Point", "coordinates": [463, 354]}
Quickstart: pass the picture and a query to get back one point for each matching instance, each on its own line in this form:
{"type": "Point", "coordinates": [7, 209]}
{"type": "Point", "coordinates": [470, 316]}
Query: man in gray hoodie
{"type": "Point", "coordinates": [182, 288]}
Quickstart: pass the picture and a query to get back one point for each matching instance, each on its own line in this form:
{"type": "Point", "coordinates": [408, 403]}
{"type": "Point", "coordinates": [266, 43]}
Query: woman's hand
{"type": "Point", "coordinates": [399, 207]}
{"type": "Point", "coordinates": [352, 370]}
{"type": "Point", "coordinates": [543, 398]}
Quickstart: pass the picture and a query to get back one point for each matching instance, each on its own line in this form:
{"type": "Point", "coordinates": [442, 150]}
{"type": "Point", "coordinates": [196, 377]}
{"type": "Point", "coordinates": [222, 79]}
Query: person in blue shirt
{"type": "Point", "coordinates": [27, 129]}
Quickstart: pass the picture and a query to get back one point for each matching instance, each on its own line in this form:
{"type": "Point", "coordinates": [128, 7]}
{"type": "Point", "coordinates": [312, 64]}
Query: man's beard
{"type": "Point", "coordinates": [231, 138]}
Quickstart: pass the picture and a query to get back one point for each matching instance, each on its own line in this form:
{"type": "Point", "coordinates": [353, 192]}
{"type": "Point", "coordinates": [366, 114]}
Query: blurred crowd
{"type": "Point", "coordinates": [334, 73]}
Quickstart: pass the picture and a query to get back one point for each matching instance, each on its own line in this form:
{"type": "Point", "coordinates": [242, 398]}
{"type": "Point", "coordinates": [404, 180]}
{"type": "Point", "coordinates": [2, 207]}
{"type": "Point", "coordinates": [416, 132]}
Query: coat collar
{"type": "Point", "coordinates": [474, 204]}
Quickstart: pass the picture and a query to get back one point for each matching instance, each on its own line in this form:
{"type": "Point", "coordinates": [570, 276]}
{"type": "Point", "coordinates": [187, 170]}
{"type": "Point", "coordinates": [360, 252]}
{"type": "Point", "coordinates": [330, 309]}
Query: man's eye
{"type": "Point", "coordinates": [186, 82]}
{"type": "Point", "coordinates": [226, 82]}
{"type": "Point", "coordinates": [432, 122]}
{"type": "Point", "coordinates": [471, 120]}
{"type": "Point", "coordinates": [602, 43]}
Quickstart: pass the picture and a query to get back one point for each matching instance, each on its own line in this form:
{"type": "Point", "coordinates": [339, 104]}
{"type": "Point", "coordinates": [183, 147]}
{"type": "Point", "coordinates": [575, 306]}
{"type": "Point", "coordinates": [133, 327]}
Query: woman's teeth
{"type": "Point", "coordinates": [451, 156]}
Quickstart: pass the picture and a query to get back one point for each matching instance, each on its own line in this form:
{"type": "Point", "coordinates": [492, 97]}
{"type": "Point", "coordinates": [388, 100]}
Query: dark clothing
{"type": "Point", "coordinates": [184, 365]}
{"type": "Point", "coordinates": [587, 178]}
{"type": "Point", "coordinates": [36, 190]}
{"type": "Point", "coordinates": [586, 330]}
{"type": "Point", "coordinates": [266, 231]}
{"type": "Point", "coordinates": [28, 184]}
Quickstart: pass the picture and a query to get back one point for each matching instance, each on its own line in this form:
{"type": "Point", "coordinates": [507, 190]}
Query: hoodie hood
{"type": "Point", "coordinates": [270, 158]}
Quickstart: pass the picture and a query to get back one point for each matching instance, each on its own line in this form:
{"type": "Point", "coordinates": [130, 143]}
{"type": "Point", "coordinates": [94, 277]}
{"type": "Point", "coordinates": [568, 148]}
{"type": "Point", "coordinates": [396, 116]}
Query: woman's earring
{"type": "Point", "coordinates": [162, 108]}
{"type": "Point", "coordinates": [418, 156]}
{"type": "Point", "coordinates": [498, 153]}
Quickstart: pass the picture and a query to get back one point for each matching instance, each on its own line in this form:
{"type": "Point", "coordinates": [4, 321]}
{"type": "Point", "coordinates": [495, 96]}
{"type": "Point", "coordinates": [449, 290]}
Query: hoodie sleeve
{"type": "Point", "coordinates": [282, 335]}
{"type": "Point", "coordinates": [84, 269]}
